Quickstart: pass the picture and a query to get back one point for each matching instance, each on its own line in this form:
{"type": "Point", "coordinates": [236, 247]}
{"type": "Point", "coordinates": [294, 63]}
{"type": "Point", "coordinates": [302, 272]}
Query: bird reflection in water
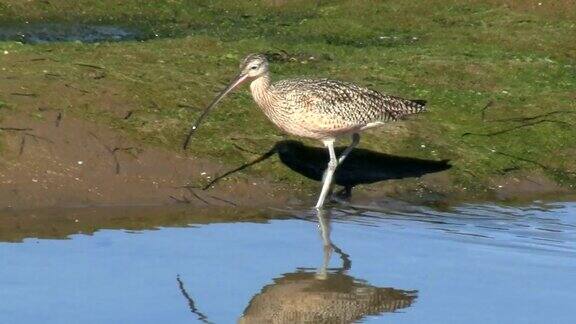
{"type": "Point", "coordinates": [326, 295]}
{"type": "Point", "coordinates": [323, 295]}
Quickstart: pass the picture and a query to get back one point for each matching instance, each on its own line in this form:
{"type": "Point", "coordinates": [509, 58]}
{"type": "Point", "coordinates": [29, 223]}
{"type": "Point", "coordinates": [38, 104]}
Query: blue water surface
{"type": "Point", "coordinates": [472, 264]}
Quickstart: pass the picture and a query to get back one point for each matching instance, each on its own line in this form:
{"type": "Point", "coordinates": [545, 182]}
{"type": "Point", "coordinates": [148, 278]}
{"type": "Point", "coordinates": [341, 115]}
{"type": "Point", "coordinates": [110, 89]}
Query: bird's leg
{"type": "Point", "coordinates": [355, 141]}
{"type": "Point", "coordinates": [327, 182]}
{"type": "Point", "coordinates": [324, 225]}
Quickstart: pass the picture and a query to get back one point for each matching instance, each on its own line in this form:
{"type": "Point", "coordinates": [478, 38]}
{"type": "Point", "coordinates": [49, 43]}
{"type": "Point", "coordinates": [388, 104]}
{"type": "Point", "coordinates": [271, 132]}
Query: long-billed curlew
{"type": "Point", "coordinates": [320, 109]}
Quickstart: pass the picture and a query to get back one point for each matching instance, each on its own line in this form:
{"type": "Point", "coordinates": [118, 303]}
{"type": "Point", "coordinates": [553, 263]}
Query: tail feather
{"type": "Point", "coordinates": [398, 108]}
{"type": "Point", "coordinates": [414, 107]}
{"type": "Point", "coordinates": [420, 102]}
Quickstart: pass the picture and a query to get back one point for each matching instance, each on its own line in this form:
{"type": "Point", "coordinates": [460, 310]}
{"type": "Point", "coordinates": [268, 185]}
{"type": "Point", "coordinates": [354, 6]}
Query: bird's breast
{"type": "Point", "coordinates": [275, 109]}
{"type": "Point", "coordinates": [296, 112]}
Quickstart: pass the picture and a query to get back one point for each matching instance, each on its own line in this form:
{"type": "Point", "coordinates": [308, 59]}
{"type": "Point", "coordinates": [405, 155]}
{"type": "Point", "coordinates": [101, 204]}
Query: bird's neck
{"type": "Point", "coordinates": [261, 91]}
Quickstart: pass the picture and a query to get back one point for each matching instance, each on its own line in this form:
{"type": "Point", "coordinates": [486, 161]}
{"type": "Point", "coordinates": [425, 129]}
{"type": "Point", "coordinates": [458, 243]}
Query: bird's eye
{"type": "Point", "coordinates": [253, 67]}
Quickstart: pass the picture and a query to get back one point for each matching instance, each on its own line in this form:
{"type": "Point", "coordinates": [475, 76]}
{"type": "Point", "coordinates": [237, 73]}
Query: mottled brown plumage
{"type": "Point", "coordinates": [324, 108]}
{"type": "Point", "coordinates": [302, 297]}
{"type": "Point", "coordinates": [320, 109]}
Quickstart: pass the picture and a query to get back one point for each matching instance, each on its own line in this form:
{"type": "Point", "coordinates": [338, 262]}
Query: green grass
{"type": "Point", "coordinates": [457, 55]}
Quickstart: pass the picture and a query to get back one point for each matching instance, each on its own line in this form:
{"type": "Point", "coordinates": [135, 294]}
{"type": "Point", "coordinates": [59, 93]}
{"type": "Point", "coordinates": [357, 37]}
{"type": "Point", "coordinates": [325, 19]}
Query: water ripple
{"type": "Point", "coordinates": [545, 227]}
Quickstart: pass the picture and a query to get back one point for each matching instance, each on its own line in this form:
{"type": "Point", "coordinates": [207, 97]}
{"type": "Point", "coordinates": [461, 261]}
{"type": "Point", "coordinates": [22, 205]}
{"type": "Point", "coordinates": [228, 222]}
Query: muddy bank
{"type": "Point", "coordinates": [64, 161]}
{"type": "Point", "coordinates": [60, 223]}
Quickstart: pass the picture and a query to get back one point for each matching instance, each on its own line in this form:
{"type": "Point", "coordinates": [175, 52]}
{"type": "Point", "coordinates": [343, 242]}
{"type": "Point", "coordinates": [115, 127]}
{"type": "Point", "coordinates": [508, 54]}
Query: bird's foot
{"type": "Point", "coordinates": [341, 196]}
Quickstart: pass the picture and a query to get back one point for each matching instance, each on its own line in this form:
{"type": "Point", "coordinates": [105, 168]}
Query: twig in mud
{"type": "Point", "coordinates": [185, 106]}
{"type": "Point", "coordinates": [223, 200]}
{"type": "Point", "coordinates": [38, 137]}
{"type": "Point", "coordinates": [22, 144]}
{"type": "Point", "coordinates": [58, 119]}
{"type": "Point", "coordinates": [187, 187]}
{"type": "Point", "coordinates": [112, 151]}
{"type": "Point", "coordinates": [525, 160]}
{"type": "Point", "coordinates": [21, 94]}
{"type": "Point", "coordinates": [500, 132]}
{"type": "Point", "coordinates": [201, 317]}
{"type": "Point", "coordinates": [519, 158]}
{"type": "Point", "coordinates": [508, 169]}
{"type": "Point", "coordinates": [15, 129]}
{"type": "Point", "coordinates": [35, 137]}
{"type": "Point", "coordinates": [243, 149]}
{"type": "Point", "coordinates": [197, 196]}
{"type": "Point", "coordinates": [533, 181]}
{"type": "Point", "coordinates": [59, 114]}
{"type": "Point", "coordinates": [125, 149]}
{"type": "Point", "coordinates": [184, 200]}
{"type": "Point", "coordinates": [90, 66]}
{"type": "Point", "coordinates": [68, 85]}
{"type": "Point", "coordinates": [40, 59]}
{"type": "Point", "coordinates": [116, 161]}
{"type": "Point", "coordinates": [545, 167]}
{"type": "Point", "coordinates": [488, 105]}
{"type": "Point", "coordinates": [95, 136]}
{"type": "Point", "coordinates": [525, 119]}
{"type": "Point", "coordinates": [242, 167]}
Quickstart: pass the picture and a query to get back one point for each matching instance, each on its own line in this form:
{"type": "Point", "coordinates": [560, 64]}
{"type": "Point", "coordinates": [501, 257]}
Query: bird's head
{"type": "Point", "coordinates": [254, 66]}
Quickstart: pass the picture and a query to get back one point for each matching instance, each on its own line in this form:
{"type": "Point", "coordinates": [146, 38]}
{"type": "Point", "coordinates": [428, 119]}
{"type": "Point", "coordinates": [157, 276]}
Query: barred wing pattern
{"type": "Point", "coordinates": [330, 105]}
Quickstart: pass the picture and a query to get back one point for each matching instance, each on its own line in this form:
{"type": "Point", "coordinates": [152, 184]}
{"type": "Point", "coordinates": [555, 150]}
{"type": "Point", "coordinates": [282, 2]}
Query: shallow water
{"type": "Point", "coordinates": [52, 32]}
{"type": "Point", "coordinates": [398, 264]}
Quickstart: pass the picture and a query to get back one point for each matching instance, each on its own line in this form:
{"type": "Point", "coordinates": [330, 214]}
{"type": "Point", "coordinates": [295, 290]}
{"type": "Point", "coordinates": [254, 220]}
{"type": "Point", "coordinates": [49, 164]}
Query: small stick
{"type": "Point", "coordinates": [24, 94]}
{"type": "Point", "coordinates": [16, 129]}
{"type": "Point", "coordinates": [22, 145]}
{"type": "Point", "coordinates": [90, 66]}
{"type": "Point", "coordinates": [58, 119]}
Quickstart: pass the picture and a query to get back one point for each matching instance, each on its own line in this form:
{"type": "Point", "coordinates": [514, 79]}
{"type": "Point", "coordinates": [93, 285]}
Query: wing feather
{"type": "Point", "coordinates": [338, 104]}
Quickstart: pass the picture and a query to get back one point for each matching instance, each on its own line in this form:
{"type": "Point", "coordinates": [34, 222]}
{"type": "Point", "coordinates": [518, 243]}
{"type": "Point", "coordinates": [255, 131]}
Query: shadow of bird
{"type": "Point", "coordinates": [361, 167]}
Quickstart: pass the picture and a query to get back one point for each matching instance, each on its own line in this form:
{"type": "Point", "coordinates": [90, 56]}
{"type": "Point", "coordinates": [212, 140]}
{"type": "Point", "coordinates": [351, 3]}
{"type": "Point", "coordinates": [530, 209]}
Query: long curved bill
{"type": "Point", "coordinates": [236, 82]}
